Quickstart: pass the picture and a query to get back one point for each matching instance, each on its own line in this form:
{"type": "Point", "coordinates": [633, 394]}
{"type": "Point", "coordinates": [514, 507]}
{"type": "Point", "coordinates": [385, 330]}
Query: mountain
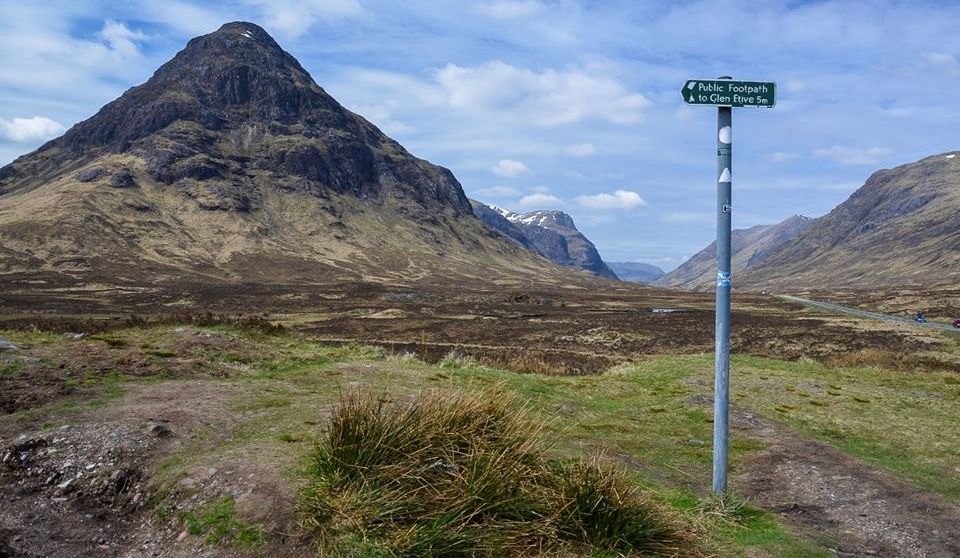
{"type": "Point", "coordinates": [902, 227]}
{"type": "Point", "coordinates": [748, 248]}
{"type": "Point", "coordinates": [636, 272]}
{"type": "Point", "coordinates": [551, 234]}
{"type": "Point", "coordinates": [231, 164]}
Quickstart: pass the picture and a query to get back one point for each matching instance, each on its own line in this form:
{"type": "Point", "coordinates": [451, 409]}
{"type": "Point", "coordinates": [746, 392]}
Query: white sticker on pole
{"type": "Point", "coordinates": [723, 278]}
{"type": "Point", "coordinates": [725, 175]}
{"type": "Point", "coordinates": [726, 134]}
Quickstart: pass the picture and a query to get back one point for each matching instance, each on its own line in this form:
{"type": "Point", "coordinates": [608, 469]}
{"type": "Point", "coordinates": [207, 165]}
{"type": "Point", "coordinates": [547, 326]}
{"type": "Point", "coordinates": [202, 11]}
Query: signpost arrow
{"type": "Point", "coordinates": [725, 94]}
{"type": "Point", "coordinates": [729, 93]}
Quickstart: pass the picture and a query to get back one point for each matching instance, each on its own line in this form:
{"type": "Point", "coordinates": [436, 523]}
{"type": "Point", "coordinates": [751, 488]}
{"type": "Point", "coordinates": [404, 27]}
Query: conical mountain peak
{"type": "Point", "coordinates": [230, 160]}
{"type": "Point", "coordinates": [233, 115]}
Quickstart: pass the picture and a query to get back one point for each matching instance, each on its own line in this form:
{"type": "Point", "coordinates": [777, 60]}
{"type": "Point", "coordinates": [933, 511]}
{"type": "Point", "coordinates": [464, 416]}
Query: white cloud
{"type": "Point", "coordinates": [853, 155]}
{"type": "Point", "coordinates": [121, 38]}
{"type": "Point", "coordinates": [621, 199]}
{"type": "Point", "coordinates": [539, 201]}
{"type": "Point", "coordinates": [942, 59]}
{"type": "Point", "coordinates": [293, 18]}
{"type": "Point", "coordinates": [541, 190]}
{"type": "Point", "coordinates": [783, 156]}
{"type": "Point", "coordinates": [945, 61]}
{"type": "Point", "coordinates": [510, 9]}
{"type": "Point", "coordinates": [498, 192]}
{"type": "Point", "coordinates": [30, 129]}
{"type": "Point", "coordinates": [509, 168]}
{"type": "Point", "coordinates": [580, 150]}
{"type": "Point", "coordinates": [382, 117]}
{"type": "Point", "coordinates": [549, 97]}
{"type": "Point", "coordinates": [192, 19]}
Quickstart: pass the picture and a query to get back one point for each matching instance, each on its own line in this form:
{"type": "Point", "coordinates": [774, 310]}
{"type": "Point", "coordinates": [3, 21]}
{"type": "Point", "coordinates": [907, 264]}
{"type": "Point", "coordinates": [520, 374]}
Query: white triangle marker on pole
{"type": "Point", "coordinates": [725, 175]}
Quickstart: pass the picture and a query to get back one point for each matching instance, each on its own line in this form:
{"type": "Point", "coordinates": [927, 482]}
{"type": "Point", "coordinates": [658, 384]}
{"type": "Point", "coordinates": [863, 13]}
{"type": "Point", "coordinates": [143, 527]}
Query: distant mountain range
{"type": "Point", "coordinates": [901, 228]}
{"type": "Point", "coordinates": [551, 234]}
{"type": "Point", "coordinates": [636, 272]}
{"type": "Point", "coordinates": [748, 247]}
{"type": "Point", "coordinates": [230, 164]}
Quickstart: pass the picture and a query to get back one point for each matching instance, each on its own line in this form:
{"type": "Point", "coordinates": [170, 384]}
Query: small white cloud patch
{"type": "Point", "coordinates": [510, 9]}
{"type": "Point", "coordinates": [539, 201]}
{"type": "Point", "coordinates": [30, 129]}
{"type": "Point", "coordinates": [509, 168]}
{"type": "Point", "coordinates": [121, 38]}
{"type": "Point", "coordinates": [620, 199]}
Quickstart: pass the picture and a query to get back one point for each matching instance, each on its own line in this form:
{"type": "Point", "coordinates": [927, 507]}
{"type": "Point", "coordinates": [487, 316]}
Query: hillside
{"type": "Point", "coordinates": [231, 164]}
{"type": "Point", "coordinates": [636, 272]}
{"type": "Point", "coordinates": [749, 247]}
{"type": "Point", "coordinates": [551, 234]}
{"type": "Point", "coordinates": [902, 227]}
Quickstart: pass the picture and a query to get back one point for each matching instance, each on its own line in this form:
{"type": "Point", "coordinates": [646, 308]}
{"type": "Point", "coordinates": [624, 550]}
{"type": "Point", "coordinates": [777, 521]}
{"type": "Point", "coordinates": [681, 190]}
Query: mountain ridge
{"type": "Point", "coordinates": [231, 164]}
{"type": "Point", "coordinates": [549, 233]}
{"type": "Point", "coordinates": [900, 228]}
{"type": "Point", "coordinates": [749, 247]}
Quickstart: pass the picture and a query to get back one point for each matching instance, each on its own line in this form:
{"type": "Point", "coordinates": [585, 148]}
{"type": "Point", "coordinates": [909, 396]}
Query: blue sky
{"type": "Point", "coordinates": [571, 105]}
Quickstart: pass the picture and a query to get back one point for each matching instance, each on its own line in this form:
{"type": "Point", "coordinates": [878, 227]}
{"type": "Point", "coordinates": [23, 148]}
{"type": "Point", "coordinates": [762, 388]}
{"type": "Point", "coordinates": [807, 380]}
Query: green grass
{"type": "Point", "coordinates": [218, 524]}
{"type": "Point", "coordinates": [651, 416]}
{"type": "Point", "coordinates": [114, 340]}
{"type": "Point", "coordinates": [466, 474]}
{"type": "Point", "coordinates": [10, 368]}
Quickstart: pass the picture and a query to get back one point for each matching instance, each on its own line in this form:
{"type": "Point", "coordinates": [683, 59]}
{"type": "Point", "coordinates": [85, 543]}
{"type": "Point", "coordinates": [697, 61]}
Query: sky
{"type": "Point", "coordinates": [571, 105]}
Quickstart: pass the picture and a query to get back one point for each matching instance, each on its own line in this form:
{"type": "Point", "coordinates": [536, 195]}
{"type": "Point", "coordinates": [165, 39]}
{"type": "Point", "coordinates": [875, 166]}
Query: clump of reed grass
{"type": "Point", "coordinates": [467, 474]}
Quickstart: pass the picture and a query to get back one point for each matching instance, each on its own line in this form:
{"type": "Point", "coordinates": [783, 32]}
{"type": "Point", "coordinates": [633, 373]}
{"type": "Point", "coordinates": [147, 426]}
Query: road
{"type": "Point", "coordinates": [868, 314]}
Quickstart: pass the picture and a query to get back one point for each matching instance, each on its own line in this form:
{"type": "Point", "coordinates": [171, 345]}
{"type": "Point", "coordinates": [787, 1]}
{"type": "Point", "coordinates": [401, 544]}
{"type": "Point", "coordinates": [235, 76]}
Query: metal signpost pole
{"type": "Point", "coordinates": [724, 93]}
{"type": "Point", "coordinates": [721, 389]}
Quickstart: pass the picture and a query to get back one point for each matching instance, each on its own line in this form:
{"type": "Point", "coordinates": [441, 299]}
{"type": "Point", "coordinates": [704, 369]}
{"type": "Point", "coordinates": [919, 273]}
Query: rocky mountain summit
{"type": "Point", "coordinates": [231, 164]}
{"type": "Point", "coordinates": [551, 234]}
{"type": "Point", "coordinates": [229, 112]}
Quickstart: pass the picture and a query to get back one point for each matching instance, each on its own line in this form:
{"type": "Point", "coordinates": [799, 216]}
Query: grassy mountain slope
{"type": "Point", "coordinates": [902, 227]}
{"type": "Point", "coordinates": [749, 247]}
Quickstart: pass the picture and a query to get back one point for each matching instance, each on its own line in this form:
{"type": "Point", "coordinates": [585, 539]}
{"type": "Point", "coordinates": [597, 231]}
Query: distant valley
{"type": "Point", "coordinates": [636, 272]}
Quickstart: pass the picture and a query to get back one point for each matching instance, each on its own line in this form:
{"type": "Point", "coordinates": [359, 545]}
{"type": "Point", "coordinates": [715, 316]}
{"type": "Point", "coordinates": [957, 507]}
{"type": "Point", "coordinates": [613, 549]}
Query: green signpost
{"type": "Point", "coordinates": [724, 93]}
{"type": "Point", "coordinates": [729, 93]}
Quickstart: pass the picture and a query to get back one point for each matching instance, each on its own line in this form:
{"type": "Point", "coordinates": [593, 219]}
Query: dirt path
{"type": "Point", "coordinates": [84, 488]}
{"type": "Point", "coordinates": [831, 496]}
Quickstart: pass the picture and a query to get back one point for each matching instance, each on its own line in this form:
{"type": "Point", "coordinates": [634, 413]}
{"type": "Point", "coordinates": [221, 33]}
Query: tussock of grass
{"type": "Point", "coordinates": [453, 359]}
{"type": "Point", "coordinates": [466, 474]}
{"type": "Point", "coordinates": [529, 363]}
{"type": "Point", "coordinates": [725, 508]}
{"type": "Point", "coordinates": [888, 359]}
{"type": "Point", "coordinates": [218, 523]}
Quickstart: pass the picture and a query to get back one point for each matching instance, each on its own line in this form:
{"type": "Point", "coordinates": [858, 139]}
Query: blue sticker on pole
{"type": "Point", "coordinates": [723, 278]}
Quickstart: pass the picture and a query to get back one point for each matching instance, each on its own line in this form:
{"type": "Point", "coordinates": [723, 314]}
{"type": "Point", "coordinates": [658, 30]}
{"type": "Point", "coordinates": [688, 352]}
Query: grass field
{"type": "Point", "coordinates": [273, 393]}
